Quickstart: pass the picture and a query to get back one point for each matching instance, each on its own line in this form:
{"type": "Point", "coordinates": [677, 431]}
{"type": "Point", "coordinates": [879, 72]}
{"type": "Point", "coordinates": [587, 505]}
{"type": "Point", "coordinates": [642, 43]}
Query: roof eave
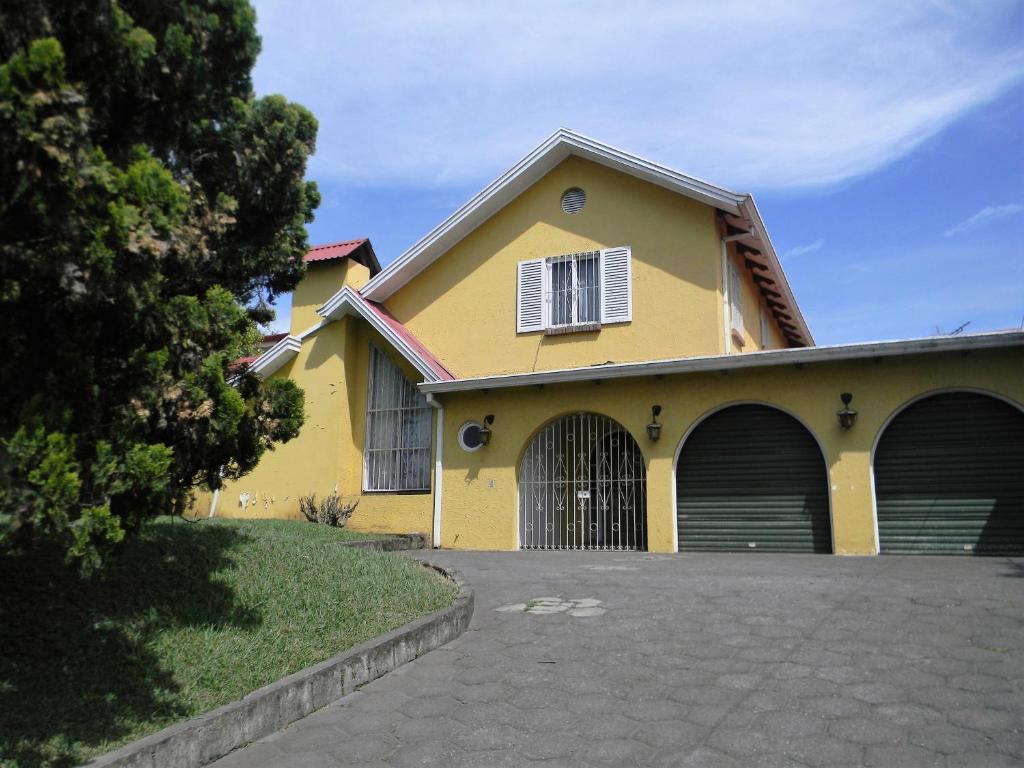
{"type": "Point", "coordinates": [368, 257]}
{"type": "Point", "coordinates": [274, 358]}
{"type": "Point", "coordinates": [716, 363]}
{"type": "Point", "coordinates": [348, 302]}
{"type": "Point", "coordinates": [749, 211]}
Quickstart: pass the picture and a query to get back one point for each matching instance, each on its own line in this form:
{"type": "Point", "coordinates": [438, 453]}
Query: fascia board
{"type": "Point", "coordinates": [715, 363]}
{"type": "Point", "coordinates": [347, 302]}
{"type": "Point", "coordinates": [275, 357]}
{"type": "Point", "coordinates": [655, 173]}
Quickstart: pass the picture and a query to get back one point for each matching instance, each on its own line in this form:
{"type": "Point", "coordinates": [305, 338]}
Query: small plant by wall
{"type": "Point", "coordinates": [331, 511]}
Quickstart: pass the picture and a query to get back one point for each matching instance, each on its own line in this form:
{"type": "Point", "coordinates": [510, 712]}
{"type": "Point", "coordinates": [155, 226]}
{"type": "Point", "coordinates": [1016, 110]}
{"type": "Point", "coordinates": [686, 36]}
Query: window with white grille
{"type": "Point", "coordinates": [579, 290]}
{"type": "Point", "coordinates": [574, 290]}
{"type": "Point", "coordinates": [396, 456]}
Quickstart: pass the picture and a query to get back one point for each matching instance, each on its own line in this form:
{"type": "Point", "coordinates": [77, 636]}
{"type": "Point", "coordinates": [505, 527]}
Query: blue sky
{"type": "Point", "coordinates": [884, 142]}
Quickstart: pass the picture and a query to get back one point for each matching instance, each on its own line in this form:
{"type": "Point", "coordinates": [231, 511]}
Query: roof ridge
{"type": "Point", "coordinates": [337, 243]}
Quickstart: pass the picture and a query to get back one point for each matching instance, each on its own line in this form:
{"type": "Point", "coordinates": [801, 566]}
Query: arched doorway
{"type": "Point", "coordinates": [752, 478]}
{"type": "Point", "coordinates": [949, 477]}
{"type": "Point", "coordinates": [582, 485]}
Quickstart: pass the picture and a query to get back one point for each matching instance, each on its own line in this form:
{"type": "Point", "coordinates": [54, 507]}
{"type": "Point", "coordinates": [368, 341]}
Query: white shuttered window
{"type": "Point", "coordinates": [575, 290]}
{"type": "Point", "coordinates": [530, 280]}
{"type": "Point", "coordinates": [396, 456]}
{"type": "Point", "coordinates": [617, 285]}
{"type": "Point", "coordinates": [735, 298]}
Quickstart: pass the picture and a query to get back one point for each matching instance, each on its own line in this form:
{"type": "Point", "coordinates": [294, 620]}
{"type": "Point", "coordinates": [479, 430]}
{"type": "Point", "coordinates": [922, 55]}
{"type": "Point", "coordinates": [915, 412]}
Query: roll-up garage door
{"type": "Point", "coordinates": [949, 477]}
{"type": "Point", "coordinates": [752, 478]}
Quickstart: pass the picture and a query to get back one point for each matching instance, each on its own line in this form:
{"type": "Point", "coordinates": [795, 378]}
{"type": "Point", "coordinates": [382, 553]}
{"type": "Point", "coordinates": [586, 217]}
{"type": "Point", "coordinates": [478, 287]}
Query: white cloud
{"type": "Point", "coordinates": [985, 215]}
{"type": "Point", "coordinates": [801, 250]}
{"type": "Point", "coordinates": [749, 94]}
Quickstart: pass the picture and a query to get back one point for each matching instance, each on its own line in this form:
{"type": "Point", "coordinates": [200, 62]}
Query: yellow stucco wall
{"type": "Point", "coordinates": [332, 369]}
{"type": "Point", "coordinates": [774, 339]}
{"type": "Point", "coordinates": [479, 499]}
{"type": "Point", "coordinates": [383, 512]}
{"type": "Point", "coordinates": [463, 307]}
{"type": "Point", "coordinates": [309, 463]}
{"type": "Point", "coordinates": [322, 280]}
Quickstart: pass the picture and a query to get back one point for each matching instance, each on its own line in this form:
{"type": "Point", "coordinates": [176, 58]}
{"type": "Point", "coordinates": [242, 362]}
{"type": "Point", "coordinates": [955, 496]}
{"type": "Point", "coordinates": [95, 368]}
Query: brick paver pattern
{"type": "Point", "coordinates": [699, 660]}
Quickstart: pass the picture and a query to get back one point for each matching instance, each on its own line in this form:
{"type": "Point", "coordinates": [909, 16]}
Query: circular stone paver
{"type": "Point", "coordinates": [582, 613]}
{"type": "Point", "coordinates": [579, 607]}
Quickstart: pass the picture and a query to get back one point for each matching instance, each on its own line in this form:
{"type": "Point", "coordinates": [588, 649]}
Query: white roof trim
{"type": "Point", "coordinates": [275, 357]}
{"type": "Point", "coordinates": [348, 302]}
{"type": "Point", "coordinates": [735, 362]}
{"type": "Point", "coordinates": [496, 195]}
{"type": "Point", "coordinates": [748, 210]}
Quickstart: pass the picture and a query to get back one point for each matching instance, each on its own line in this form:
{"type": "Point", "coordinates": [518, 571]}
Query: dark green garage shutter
{"type": "Point", "coordinates": [949, 477]}
{"type": "Point", "coordinates": [752, 478]}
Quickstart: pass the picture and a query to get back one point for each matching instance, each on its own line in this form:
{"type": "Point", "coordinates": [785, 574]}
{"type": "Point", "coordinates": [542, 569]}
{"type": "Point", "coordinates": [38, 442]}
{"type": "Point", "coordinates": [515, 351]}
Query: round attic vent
{"type": "Point", "coordinates": [573, 200]}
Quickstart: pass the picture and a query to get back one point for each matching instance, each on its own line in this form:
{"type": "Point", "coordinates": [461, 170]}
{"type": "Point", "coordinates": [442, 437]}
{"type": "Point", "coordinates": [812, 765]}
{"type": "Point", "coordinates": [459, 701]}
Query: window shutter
{"type": "Point", "coordinates": [616, 285]}
{"type": "Point", "coordinates": [530, 296]}
{"type": "Point", "coordinates": [735, 298]}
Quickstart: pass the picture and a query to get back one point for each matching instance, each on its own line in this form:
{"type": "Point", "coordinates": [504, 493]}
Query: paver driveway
{"type": "Point", "coordinates": [699, 660]}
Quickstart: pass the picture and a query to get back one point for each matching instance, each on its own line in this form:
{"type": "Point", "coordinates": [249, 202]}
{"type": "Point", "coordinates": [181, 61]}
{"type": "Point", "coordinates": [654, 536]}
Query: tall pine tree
{"type": "Point", "coordinates": [150, 208]}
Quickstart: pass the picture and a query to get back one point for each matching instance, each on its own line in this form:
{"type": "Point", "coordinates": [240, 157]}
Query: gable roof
{"type": "Point", "coordinates": [359, 250]}
{"type": "Point", "coordinates": [275, 357]}
{"type": "Point", "coordinates": [415, 346]}
{"type": "Point", "coordinates": [739, 212]}
{"type": "Point", "coordinates": [349, 302]}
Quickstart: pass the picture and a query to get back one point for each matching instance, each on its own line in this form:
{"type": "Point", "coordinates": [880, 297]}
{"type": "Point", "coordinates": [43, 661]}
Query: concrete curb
{"type": "Point", "coordinates": [396, 543]}
{"type": "Point", "coordinates": [206, 738]}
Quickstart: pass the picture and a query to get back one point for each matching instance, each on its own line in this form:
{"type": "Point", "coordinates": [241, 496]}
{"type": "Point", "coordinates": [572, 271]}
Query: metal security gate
{"type": "Point", "coordinates": [751, 478]}
{"type": "Point", "coordinates": [582, 485]}
{"type": "Point", "coordinates": [949, 477]}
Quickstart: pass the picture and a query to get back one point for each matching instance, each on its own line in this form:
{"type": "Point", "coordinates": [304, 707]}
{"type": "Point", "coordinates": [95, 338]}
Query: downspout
{"type": "Point", "coordinates": [216, 496]}
{"type": "Point", "coordinates": [435, 534]}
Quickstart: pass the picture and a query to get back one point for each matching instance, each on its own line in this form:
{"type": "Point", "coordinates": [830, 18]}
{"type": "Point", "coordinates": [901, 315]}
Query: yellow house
{"type": "Point", "coordinates": [598, 352]}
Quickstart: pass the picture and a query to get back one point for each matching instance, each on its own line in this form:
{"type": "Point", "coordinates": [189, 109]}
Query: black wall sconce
{"type": "Point", "coordinates": [846, 414]}
{"type": "Point", "coordinates": [654, 428]}
{"type": "Point", "coordinates": [485, 430]}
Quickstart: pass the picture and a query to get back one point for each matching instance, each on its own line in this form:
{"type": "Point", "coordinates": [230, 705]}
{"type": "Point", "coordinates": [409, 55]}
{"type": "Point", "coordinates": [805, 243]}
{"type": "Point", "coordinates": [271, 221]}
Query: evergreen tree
{"type": "Point", "coordinates": [151, 208]}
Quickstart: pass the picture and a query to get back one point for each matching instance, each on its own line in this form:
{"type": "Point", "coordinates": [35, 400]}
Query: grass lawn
{"type": "Point", "coordinates": [189, 617]}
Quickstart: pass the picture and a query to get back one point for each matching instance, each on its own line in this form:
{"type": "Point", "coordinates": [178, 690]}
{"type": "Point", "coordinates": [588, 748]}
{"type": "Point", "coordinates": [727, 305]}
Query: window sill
{"type": "Point", "coordinates": [418, 492]}
{"type": "Point", "coordinates": [558, 330]}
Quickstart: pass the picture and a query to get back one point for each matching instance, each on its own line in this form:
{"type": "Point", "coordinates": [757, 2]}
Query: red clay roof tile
{"type": "Point", "coordinates": [421, 351]}
{"type": "Point", "coordinates": [333, 250]}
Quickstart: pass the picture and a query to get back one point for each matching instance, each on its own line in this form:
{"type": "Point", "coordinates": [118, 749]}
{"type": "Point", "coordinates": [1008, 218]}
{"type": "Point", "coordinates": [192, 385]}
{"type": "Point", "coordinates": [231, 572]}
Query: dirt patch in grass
{"type": "Point", "coordinates": [189, 617]}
